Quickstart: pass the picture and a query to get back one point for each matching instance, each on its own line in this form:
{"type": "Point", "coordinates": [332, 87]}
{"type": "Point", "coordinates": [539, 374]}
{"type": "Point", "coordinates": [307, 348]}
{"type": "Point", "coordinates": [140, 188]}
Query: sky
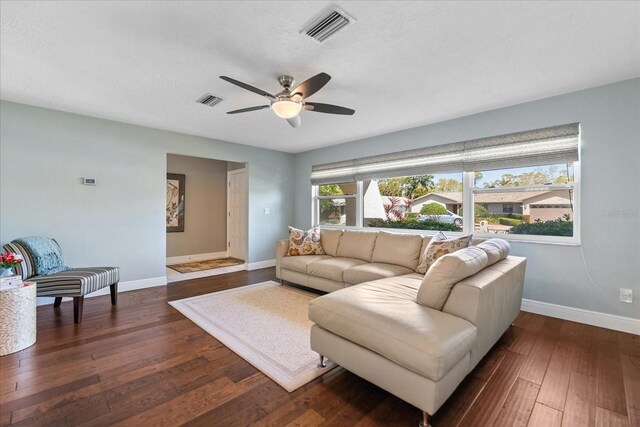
{"type": "Point", "coordinates": [490, 176]}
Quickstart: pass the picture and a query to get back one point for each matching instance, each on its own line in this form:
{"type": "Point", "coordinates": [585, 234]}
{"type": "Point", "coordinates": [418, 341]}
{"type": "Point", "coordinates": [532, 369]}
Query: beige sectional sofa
{"type": "Point", "coordinates": [379, 324]}
{"type": "Point", "coordinates": [352, 257]}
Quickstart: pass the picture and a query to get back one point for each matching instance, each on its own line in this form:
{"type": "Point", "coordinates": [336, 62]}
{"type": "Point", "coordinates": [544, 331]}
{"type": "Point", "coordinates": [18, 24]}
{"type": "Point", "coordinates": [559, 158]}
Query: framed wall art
{"type": "Point", "coordinates": [175, 202]}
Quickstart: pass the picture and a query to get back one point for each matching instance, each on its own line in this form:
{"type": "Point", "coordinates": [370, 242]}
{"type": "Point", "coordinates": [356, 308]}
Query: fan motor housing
{"type": "Point", "coordinates": [285, 81]}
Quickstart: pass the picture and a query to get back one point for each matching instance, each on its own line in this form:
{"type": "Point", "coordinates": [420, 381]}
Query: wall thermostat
{"type": "Point", "coordinates": [89, 181]}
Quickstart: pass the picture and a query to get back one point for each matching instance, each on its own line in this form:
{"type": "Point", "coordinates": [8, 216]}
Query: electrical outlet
{"type": "Point", "coordinates": [626, 295]}
{"type": "Point", "coordinates": [267, 211]}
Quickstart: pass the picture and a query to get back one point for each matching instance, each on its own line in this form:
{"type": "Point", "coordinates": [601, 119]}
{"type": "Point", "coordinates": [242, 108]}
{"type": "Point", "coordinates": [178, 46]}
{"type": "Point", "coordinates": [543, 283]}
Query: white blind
{"type": "Point", "coordinates": [558, 144]}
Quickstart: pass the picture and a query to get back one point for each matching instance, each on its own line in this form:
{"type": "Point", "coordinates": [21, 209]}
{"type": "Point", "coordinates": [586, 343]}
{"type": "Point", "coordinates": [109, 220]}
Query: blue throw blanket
{"type": "Point", "coordinates": [46, 254]}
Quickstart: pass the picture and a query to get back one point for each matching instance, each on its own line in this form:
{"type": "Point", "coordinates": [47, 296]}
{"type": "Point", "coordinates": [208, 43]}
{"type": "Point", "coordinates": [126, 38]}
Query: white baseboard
{"type": "Point", "coordinates": [260, 264]}
{"type": "Point", "coordinates": [196, 257]}
{"type": "Point", "coordinates": [603, 320]}
{"type": "Point", "coordinates": [131, 285]}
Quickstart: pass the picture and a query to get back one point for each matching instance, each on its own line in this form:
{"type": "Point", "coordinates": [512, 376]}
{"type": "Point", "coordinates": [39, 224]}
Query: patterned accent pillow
{"type": "Point", "coordinates": [304, 242]}
{"type": "Point", "coordinates": [438, 246]}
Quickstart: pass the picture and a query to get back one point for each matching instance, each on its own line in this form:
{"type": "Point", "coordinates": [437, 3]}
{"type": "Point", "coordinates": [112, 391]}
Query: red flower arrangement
{"type": "Point", "coordinates": [9, 260]}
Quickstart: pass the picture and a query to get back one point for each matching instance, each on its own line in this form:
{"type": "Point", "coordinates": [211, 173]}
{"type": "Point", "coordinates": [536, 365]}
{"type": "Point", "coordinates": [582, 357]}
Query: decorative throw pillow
{"type": "Point", "coordinates": [448, 270]}
{"type": "Point", "coordinates": [438, 246]}
{"type": "Point", "coordinates": [304, 242]}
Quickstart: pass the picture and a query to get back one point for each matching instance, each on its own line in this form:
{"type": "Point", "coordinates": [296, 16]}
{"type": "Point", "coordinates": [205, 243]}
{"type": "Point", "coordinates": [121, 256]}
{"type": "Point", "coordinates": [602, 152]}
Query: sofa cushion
{"type": "Point", "coordinates": [385, 318]}
{"type": "Point", "coordinates": [76, 282]}
{"type": "Point", "coordinates": [300, 263]}
{"type": "Point", "coordinates": [398, 249]}
{"type": "Point", "coordinates": [304, 242]}
{"type": "Point", "coordinates": [496, 249]}
{"type": "Point", "coordinates": [357, 244]}
{"type": "Point", "coordinates": [438, 246]}
{"type": "Point", "coordinates": [332, 268]}
{"type": "Point", "coordinates": [373, 271]}
{"type": "Point", "coordinates": [446, 272]}
{"type": "Point", "coordinates": [322, 284]}
{"type": "Point", "coordinates": [329, 239]}
{"type": "Point", "coordinates": [411, 280]}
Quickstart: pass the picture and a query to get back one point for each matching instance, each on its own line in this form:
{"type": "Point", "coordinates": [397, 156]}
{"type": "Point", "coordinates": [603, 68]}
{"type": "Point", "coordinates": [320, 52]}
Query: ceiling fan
{"type": "Point", "coordinates": [288, 103]}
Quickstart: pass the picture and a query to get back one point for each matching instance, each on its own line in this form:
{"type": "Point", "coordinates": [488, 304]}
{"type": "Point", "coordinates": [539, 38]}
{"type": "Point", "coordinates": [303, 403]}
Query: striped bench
{"type": "Point", "coordinates": [75, 283]}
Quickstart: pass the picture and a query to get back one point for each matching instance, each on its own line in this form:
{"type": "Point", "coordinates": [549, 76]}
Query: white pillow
{"type": "Point", "coordinates": [496, 249]}
{"type": "Point", "coordinates": [446, 272]}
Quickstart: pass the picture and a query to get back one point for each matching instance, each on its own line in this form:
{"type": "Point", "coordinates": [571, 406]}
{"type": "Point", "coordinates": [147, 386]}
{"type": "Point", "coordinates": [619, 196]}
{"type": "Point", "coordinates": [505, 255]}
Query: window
{"type": "Point", "coordinates": [522, 186]}
{"type": "Point", "coordinates": [418, 202]}
{"type": "Point", "coordinates": [338, 204]}
{"type": "Point", "coordinates": [527, 201]}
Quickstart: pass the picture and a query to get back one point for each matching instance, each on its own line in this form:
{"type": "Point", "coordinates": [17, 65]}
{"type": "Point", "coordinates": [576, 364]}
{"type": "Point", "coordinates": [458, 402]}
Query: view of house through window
{"type": "Point", "coordinates": [527, 201]}
{"type": "Point", "coordinates": [422, 202]}
{"type": "Point", "coordinates": [524, 201]}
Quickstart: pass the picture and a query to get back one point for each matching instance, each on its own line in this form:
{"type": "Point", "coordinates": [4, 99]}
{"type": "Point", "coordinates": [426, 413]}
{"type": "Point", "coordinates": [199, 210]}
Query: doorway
{"type": "Point", "coordinates": [211, 217]}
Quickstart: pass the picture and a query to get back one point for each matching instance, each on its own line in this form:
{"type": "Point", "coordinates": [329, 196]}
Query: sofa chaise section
{"type": "Point", "coordinates": [380, 332]}
{"type": "Point", "coordinates": [384, 318]}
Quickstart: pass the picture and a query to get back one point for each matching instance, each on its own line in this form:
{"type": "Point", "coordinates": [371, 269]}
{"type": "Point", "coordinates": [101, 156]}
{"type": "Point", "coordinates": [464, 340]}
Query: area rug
{"type": "Point", "coordinates": [190, 267]}
{"type": "Point", "coordinates": [266, 324]}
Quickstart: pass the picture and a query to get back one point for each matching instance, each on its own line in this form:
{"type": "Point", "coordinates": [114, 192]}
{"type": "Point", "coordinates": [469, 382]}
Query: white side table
{"type": "Point", "coordinates": [17, 318]}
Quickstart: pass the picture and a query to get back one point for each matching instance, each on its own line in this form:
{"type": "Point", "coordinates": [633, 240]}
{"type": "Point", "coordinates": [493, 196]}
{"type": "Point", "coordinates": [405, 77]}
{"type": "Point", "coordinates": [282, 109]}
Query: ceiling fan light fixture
{"type": "Point", "coordinates": [288, 103]}
{"type": "Point", "coordinates": [286, 108]}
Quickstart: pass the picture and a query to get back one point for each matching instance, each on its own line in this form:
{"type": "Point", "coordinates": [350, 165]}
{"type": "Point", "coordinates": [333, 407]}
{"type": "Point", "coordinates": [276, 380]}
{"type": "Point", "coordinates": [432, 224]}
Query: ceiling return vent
{"type": "Point", "coordinates": [208, 99]}
{"type": "Point", "coordinates": [327, 25]}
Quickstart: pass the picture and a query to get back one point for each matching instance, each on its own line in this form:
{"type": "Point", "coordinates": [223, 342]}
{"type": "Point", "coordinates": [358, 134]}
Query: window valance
{"type": "Point", "coordinates": [558, 144]}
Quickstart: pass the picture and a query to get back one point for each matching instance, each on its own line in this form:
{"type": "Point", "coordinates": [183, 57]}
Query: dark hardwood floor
{"type": "Point", "coordinates": [143, 363]}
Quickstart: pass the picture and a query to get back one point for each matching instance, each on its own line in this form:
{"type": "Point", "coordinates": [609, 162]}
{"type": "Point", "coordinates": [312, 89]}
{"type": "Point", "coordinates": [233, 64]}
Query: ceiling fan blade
{"type": "Point", "coordinates": [247, 87]}
{"type": "Point", "coordinates": [312, 85]}
{"type": "Point", "coordinates": [295, 121]}
{"type": "Point", "coordinates": [328, 108]}
{"type": "Point", "coordinates": [244, 110]}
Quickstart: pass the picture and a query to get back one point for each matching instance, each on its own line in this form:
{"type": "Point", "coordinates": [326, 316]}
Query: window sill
{"type": "Point", "coordinates": [538, 240]}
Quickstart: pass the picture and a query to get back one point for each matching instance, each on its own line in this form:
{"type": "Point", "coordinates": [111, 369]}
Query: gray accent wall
{"type": "Point", "coordinates": [121, 221]}
{"type": "Point", "coordinates": [587, 276]}
{"type": "Point", "coordinates": [205, 229]}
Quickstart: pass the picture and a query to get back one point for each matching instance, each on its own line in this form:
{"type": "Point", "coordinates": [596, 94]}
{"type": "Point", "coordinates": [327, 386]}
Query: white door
{"type": "Point", "coordinates": [237, 213]}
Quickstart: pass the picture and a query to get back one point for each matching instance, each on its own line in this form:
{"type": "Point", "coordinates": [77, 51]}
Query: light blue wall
{"type": "Point", "coordinates": [44, 153]}
{"type": "Point", "coordinates": [610, 126]}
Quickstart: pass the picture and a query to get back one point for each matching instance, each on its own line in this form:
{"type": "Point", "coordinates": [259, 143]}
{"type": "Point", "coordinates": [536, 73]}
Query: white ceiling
{"type": "Point", "coordinates": [401, 65]}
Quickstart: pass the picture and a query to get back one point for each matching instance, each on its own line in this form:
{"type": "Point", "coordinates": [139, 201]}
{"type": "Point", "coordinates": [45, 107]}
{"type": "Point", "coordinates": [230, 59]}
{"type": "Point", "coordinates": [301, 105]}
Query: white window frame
{"type": "Point", "coordinates": [315, 206]}
{"type": "Point", "coordinates": [468, 215]}
{"type": "Point", "coordinates": [531, 238]}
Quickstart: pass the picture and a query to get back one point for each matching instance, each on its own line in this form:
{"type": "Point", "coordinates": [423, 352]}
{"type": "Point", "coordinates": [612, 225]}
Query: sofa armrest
{"type": "Point", "coordinates": [491, 300]}
{"type": "Point", "coordinates": [282, 247]}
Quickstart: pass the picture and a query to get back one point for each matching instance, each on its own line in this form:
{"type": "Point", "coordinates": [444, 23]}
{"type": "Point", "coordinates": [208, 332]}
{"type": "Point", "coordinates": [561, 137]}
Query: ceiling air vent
{"type": "Point", "coordinates": [208, 99]}
{"type": "Point", "coordinates": [327, 25]}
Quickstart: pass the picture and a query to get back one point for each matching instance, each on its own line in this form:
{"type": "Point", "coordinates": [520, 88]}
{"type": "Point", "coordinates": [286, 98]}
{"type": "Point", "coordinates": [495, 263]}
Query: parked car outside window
{"type": "Point", "coordinates": [448, 218]}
